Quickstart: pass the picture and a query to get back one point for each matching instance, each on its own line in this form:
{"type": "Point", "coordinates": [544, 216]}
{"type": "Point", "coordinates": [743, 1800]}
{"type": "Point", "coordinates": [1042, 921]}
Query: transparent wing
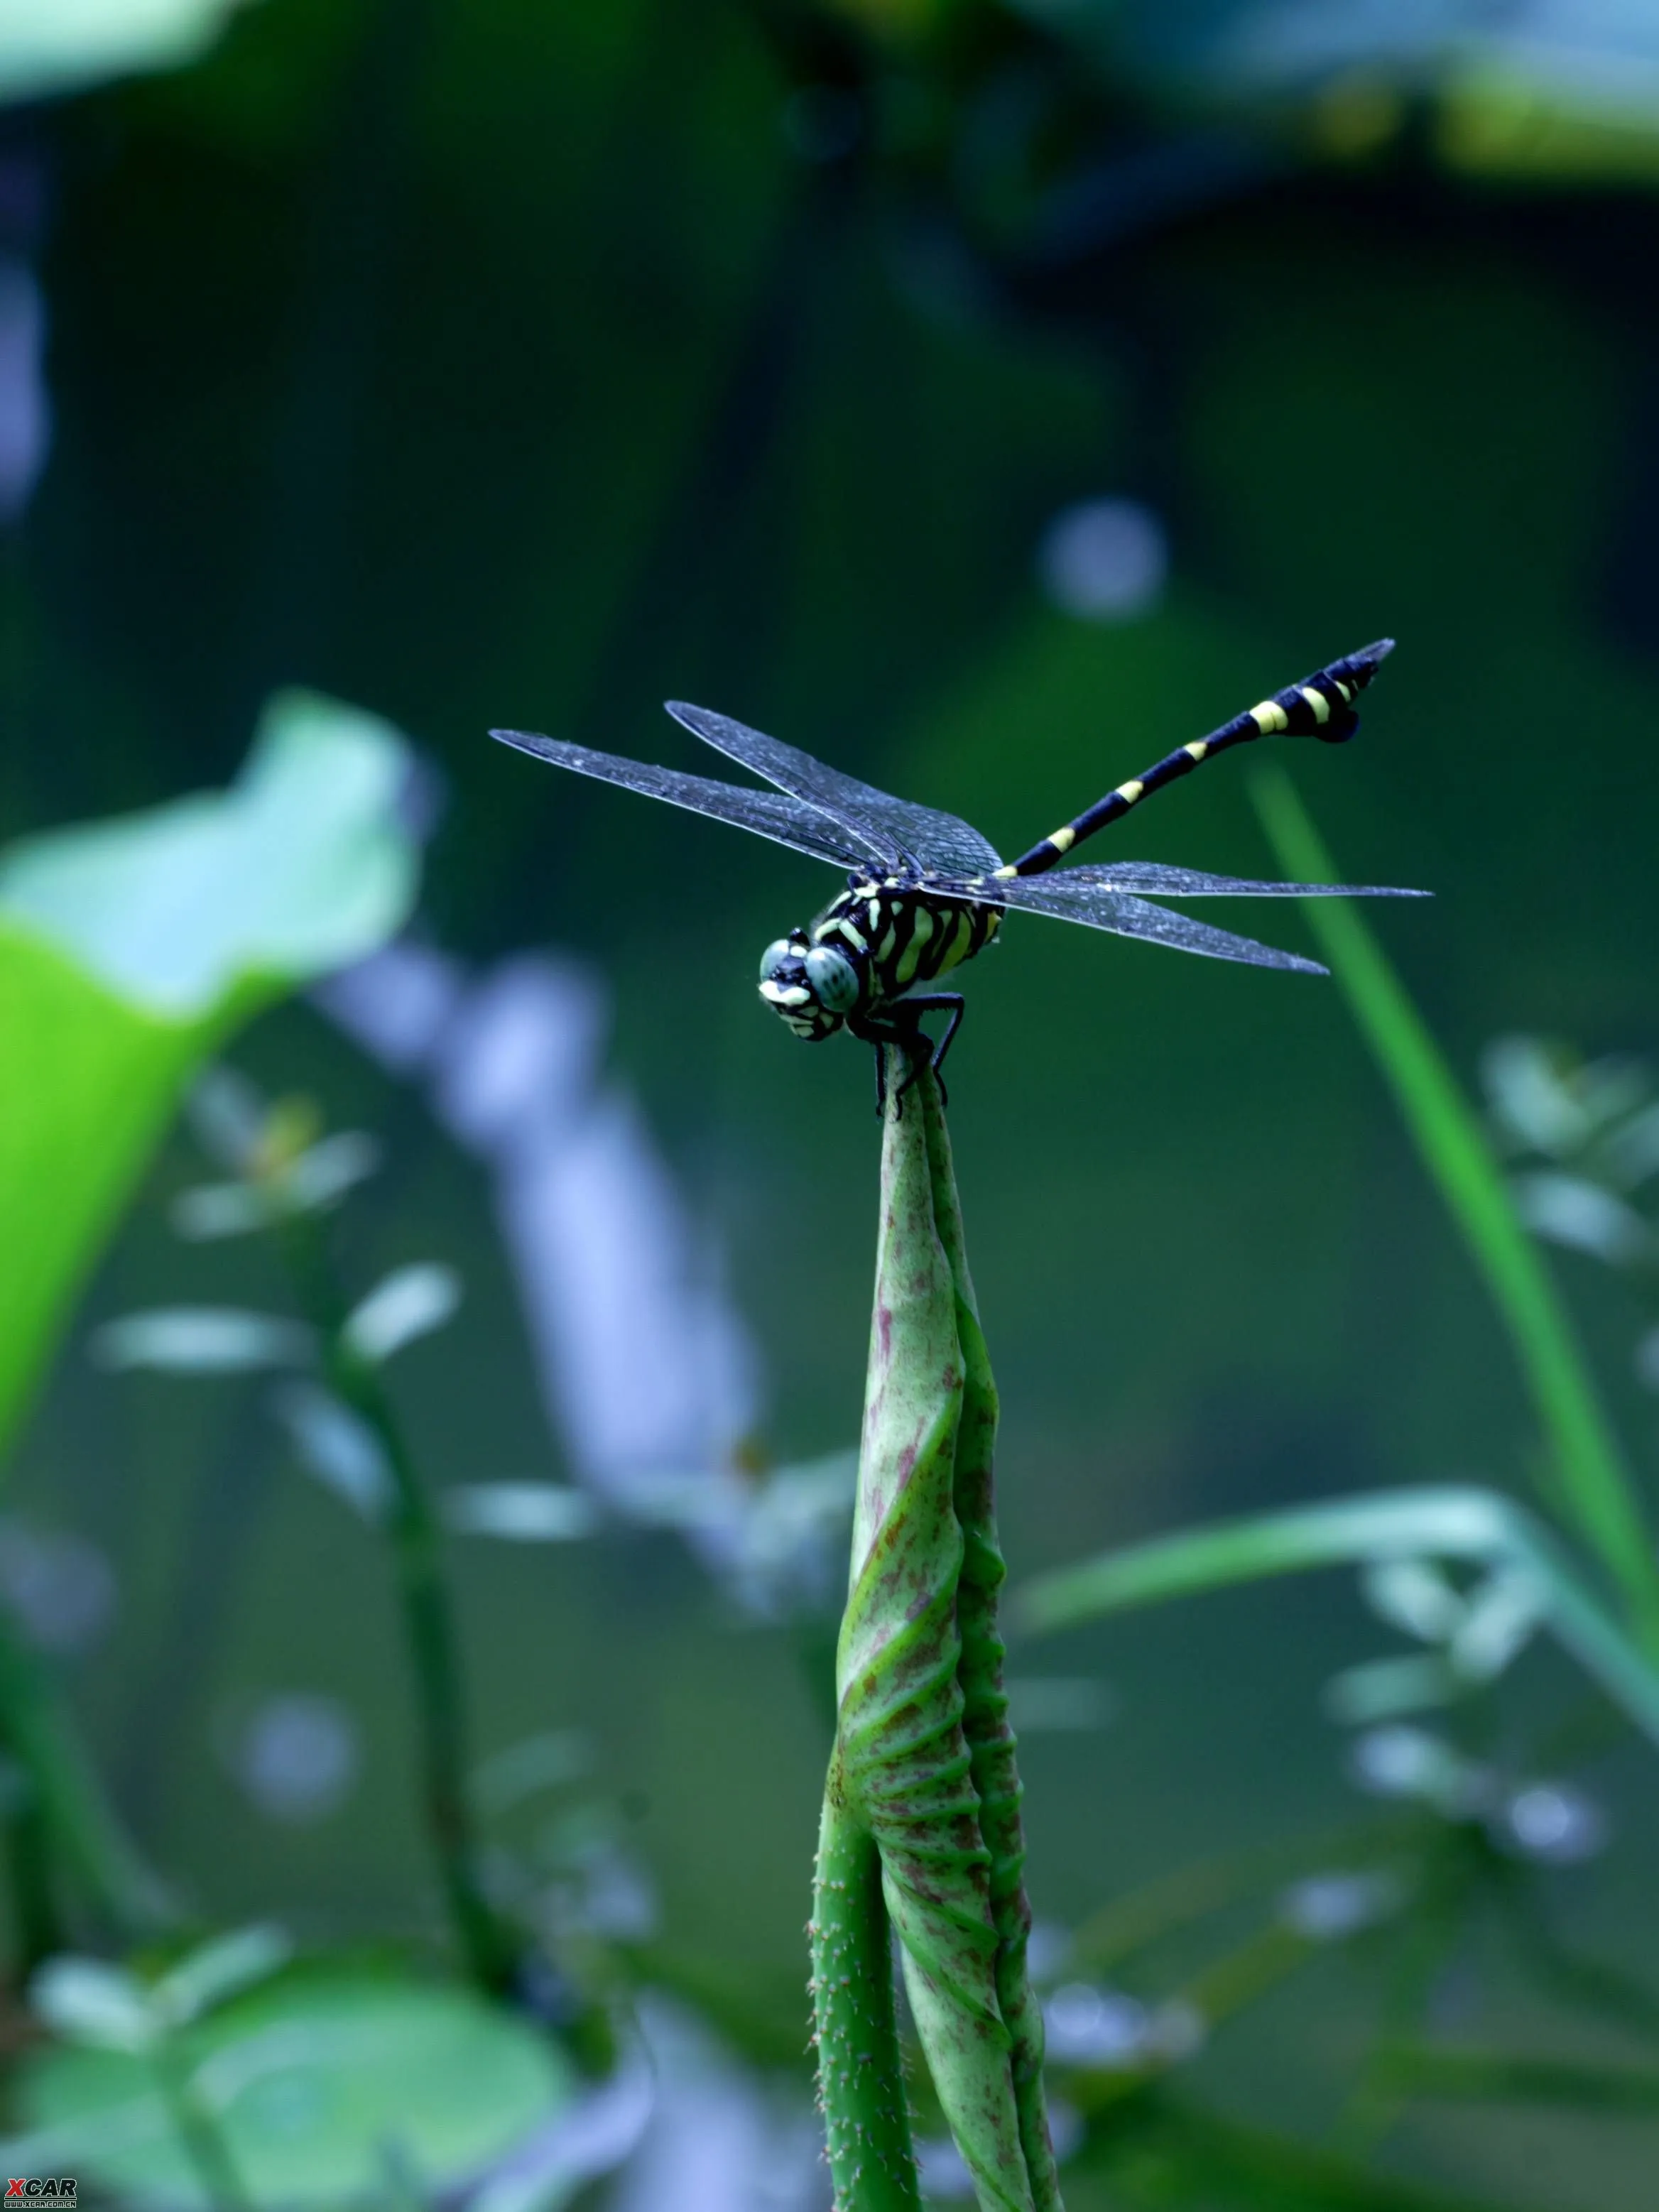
{"type": "Point", "coordinates": [785, 821]}
{"type": "Point", "coordinates": [1190, 882]}
{"type": "Point", "coordinates": [907, 833]}
{"type": "Point", "coordinates": [1069, 899]}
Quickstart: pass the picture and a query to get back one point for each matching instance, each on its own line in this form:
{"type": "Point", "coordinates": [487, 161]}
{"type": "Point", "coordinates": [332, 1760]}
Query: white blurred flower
{"type": "Point", "coordinates": [644, 1364]}
{"type": "Point", "coordinates": [25, 401]}
{"type": "Point", "coordinates": [1326, 1907]}
{"type": "Point", "coordinates": [1086, 2025]}
{"type": "Point", "coordinates": [58, 1588]}
{"type": "Point", "coordinates": [297, 1756]}
{"type": "Point", "coordinates": [718, 2140]}
{"type": "Point", "coordinates": [1104, 560]}
{"type": "Point", "coordinates": [1555, 1822]}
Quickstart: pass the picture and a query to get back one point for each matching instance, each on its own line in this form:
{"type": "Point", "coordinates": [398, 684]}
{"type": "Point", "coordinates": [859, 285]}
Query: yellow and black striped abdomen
{"type": "Point", "coordinates": [899, 938]}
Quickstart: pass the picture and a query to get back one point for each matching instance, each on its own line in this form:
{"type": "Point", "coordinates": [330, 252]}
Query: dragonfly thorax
{"type": "Point", "coordinates": [878, 940]}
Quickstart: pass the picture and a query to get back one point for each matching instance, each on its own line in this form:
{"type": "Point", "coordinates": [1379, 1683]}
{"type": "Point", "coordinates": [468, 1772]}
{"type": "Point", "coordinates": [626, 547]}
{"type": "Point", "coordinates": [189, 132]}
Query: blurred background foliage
{"type": "Point", "coordinates": [986, 397]}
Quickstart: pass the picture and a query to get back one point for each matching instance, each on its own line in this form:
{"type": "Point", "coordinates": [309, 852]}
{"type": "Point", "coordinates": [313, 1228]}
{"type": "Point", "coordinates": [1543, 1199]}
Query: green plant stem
{"type": "Point", "coordinates": [63, 1819]}
{"type": "Point", "coordinates": [922, 1785]}
{"type": "Point", "coordinates": [486, 1944]}
{"type": "Point", "coordinates": [861, 2072]}
{"type": "Point", "coordinates": [1130, 1923]}
{"type": "Point", "coordinates": [37, 1929]}
{"type": "Point", "coordinates": [1501, 2077]}
{"type": "Point", "coordinates": [1449, 1880]}
{"type": "Point", "coordinates": [1171, 2150]}
{"type": "Point", "coordinates": [200, 2134]}
{"type": "Point", "coordinates": [1595, 1486]}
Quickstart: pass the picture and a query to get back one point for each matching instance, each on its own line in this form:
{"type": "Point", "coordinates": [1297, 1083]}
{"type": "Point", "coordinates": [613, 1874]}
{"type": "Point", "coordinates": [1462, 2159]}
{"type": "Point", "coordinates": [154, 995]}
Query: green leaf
{"type": "Point", "coordinates": [1596, 1484]}
{"type": "Point", "coordinates": [1172, 2152]}
{"type": "Point", "coordinates": [1450, 1523]}
{"type": "Point", "coordinates": [521, 1512]}
{"type": "Point", "coordinates": [74, 43]}
{"type": "Point", "coordinates": [338, 1447]}
{"type": "Point", "coordinates": [100, 2006]}
{"type": "Point", "coordinates": [407, 1303]}
{"type": "Point", "coordinates": [307, 2079]}
{"type": "Point", "coordinates": [202, 1340]}
{"type": "Point", "coordinates": [217, 1970]}
{"type": "Point", "coordinates": [1501, 2077]}
{"type": "Point", "coordinates": [300, 866]}
{"type": "Point", "coordinates": [128, 951]}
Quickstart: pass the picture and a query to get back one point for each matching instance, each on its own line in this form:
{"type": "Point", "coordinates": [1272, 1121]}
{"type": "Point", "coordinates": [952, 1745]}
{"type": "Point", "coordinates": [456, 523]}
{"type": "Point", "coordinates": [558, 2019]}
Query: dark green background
{"type": "Point", "coordinates": [498, 362]}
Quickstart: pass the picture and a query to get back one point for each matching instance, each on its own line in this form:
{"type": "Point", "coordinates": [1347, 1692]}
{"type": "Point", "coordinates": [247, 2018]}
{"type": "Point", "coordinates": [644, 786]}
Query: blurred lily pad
{"type": "Point", "coordinates": [78, 42]}
{"type": "Point", "coordinates": [130, 949]}
{"type": "Point", "coordinates": [310, 2080]}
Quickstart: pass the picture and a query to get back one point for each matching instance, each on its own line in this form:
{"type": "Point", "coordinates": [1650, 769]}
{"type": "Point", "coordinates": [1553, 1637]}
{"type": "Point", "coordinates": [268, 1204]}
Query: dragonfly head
{"type": "Point", "coordinates": [813, 988]}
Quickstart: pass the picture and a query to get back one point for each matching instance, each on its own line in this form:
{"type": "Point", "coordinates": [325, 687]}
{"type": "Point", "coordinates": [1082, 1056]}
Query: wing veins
{"type": "Point", "coordinates": [908, 836]}
{"type": "Point", "coordinates": [1138, 876]}
{"type": "Point", "coordinates": [787, 821]}
{"type": "Point", "coordinates": [1123, 914]}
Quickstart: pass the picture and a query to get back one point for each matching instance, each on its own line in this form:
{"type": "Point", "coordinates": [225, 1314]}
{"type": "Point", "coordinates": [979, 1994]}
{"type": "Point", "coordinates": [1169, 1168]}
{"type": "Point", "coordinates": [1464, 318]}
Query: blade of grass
{"type": "Point", "coordinates": [1497, 2077]}
{"type": "Point", "coordinates": [1164, 2149]}
{"type": "Point", "coordinates": [1442, 1522]}
{"type": "Point", "coordinates": [1596, 1484]}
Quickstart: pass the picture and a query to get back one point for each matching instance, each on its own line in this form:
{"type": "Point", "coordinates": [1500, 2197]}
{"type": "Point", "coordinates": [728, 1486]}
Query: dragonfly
{"type": "Point", "coordinates": [926, 891]}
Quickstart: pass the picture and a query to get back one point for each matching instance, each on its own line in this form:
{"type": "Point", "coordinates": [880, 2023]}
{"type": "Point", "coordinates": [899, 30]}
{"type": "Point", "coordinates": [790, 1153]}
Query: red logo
{"type": "Point", "coordinates": [14, 2184]}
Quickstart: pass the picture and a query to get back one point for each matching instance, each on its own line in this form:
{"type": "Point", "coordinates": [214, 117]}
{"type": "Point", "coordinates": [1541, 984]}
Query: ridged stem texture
{"type": "Point", "coordinates": [923, 1768]}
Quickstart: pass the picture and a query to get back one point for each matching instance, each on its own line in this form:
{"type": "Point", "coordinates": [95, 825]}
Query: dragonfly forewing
{"type": "Point", "coordinates": [909, 837]}
{"type": "Point", "coordinates": [792, 822]}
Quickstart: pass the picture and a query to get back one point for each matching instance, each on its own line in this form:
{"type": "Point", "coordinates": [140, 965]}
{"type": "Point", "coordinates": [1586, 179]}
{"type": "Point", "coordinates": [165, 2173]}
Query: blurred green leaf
{"type": "Point", "coordinates": [521, 1512]}
{"type": "Point", "coordinates": [336, 1445]}
{"type": "Point", "coordinates": [409, 1303]}
{"type": "Point", "coordinates": [219, 1970]}
{"type": "Point", "coordinates": [202, 1341]}
{"type": "Point", "coordinates": [1494, 2076]}
{"type": "Point", "coordinates": [1378, 1525]}
{"type": "Point", "coordinates": [317, 1179]}
{"type": "Point", "coordinates": [1596, 1484]}
{"type": "Point", "coordinates": [503, 1781]}
{"type": "Point", "coordinates": [130, 949]}
{"type": "Point", "coordinates": [1379, 1689]}
{"type": "Point", "coordinates": [73, 43]}
{"type": "Point", "coordinates": [95, 2006]}
{"type": "Point", "coordinates": [300, 866]}
{"type": "Point", "coordinates": [1160, 2150]}
{"type": "Point", "coordinates": [1573, 1211]}
{"type": "Point", "coordinates": [307, 2079]}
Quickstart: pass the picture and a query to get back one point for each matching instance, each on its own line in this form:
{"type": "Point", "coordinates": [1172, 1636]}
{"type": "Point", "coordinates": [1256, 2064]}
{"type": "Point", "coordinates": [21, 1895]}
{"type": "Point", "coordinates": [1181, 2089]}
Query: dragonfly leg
{"type": "Point", "coordinates": [934, 1002]}
{"type": "Point", "coordinates": [900, 1024]}
{"type": "Point", "coordinates": [882, 1031]}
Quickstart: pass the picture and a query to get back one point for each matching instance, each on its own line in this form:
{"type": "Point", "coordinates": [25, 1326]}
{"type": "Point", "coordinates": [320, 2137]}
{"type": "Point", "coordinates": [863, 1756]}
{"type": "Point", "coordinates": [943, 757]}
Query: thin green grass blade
{"type": "Point", "coordinates": [1174, 2151]}
{"type": "Point", "coordinates": [1499, 2077]}
{"type": "Point", "coordinates": [1448, 1522]}
{"type": "Point", "coordinates": [1596, 1484]}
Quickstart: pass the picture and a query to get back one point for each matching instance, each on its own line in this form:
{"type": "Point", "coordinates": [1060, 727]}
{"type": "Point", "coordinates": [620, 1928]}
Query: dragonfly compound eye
{"type": "Point", "coordinates": [832, 979]}
{"type": "Point", "coordinates": [785, 988]}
